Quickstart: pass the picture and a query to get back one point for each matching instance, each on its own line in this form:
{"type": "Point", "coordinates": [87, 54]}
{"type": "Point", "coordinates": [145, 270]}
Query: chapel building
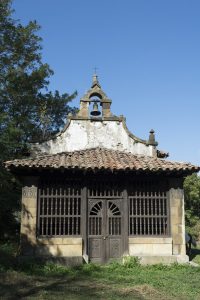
{"type": "Point", "coordinates": [95, 192]}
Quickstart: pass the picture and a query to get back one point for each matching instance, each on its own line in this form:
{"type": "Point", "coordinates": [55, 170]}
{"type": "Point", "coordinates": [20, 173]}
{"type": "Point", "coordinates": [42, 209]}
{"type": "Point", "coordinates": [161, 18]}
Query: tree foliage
{"type": "Point", "coordinates": [192, 193]}
{"type": "Point", "coordinates": [192, 204]}
{"type": "Point", "coordinates": [28, 110]}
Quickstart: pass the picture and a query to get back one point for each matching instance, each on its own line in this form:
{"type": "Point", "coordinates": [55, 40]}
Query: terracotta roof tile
{"type": "Point", "coordinates": [99, 159]}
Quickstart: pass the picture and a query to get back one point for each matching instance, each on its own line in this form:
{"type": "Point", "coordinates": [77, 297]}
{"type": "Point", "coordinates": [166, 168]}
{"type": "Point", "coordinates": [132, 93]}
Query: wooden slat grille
{"type": "Point", "coordinates": [148, 209]}
{"type": "Point", "coordinates": [105, 190]}
{"type": "Point", "coordinates": [115, 226]}
{"type": "Point", "coordinates": [95, 226]}
{"type": "Point", "coordinates": [95, 219]}
{"type": "Point", "coordinates": [114, 218]}
{"type": "Point", "coordinates": [59, 211]}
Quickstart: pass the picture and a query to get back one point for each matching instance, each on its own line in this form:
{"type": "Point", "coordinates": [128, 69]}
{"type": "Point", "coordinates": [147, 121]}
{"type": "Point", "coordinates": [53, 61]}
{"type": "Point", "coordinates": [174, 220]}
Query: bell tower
{"type": "Point", "coordinates": [95, 96]}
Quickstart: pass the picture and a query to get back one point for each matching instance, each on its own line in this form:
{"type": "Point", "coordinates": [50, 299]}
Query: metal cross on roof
{"type": "Point", "coordinates": [95, 70]}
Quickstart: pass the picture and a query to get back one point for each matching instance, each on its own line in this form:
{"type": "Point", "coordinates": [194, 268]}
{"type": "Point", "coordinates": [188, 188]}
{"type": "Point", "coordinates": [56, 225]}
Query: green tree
{"type": "Point", "coordinates": [192, 204]}
{"type": "Point", "coordinates": [28, 110]}
{"type": "Point", "coordinates": [192, 193]}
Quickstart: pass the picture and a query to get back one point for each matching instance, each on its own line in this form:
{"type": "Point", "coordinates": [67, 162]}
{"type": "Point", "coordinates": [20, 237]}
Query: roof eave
{"type": "Point", "coordinates": [181, 172]}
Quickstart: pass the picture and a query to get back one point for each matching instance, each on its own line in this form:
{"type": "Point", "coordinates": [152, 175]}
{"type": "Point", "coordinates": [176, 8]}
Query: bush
{"type": "Point", "coordinates": [131, 262]}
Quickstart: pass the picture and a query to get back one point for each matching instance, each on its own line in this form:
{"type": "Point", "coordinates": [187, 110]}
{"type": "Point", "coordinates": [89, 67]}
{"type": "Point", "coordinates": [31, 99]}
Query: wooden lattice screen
{"type": "Point", "coordinates": [59, 211]}
{"type": "Point", "coordinates": [59, 208]}
{"type": "Point", "coordinates": [148, 209]}
{"type": "Point", "coordinates": [104, 189]}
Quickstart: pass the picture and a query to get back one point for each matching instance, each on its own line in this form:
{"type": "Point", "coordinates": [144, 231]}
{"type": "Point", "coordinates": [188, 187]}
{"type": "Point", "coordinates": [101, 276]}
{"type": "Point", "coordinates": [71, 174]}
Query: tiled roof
{"type": "Point", "coordinates": [101, 159]}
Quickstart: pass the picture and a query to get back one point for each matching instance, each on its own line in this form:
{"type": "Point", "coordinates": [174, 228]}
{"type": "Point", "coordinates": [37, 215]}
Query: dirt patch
{"type": "Point", "coordinates": [144, 291]}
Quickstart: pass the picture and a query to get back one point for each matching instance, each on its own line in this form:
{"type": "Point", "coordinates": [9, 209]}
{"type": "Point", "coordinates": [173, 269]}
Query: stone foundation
{"type": "Point", "coordinates": [164, 259]}
{"type": "Point", "coordinates": [59, 247]}
{"type": "Point", "coordinates": [141, 246]}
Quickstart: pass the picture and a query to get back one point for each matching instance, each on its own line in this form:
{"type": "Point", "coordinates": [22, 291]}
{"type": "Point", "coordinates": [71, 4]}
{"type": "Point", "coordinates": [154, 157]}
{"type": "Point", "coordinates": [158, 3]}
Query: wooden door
{"type": "Point", "coordinates": [105, 230]}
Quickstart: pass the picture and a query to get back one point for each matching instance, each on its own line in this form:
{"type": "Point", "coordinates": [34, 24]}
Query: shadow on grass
{"type": "Point", "coordinates": [32, 279]}
{"type": "Point", "coordinates": [194, 254]}
{"type": "Point", "coordinates": [12, 287]}
{"type": "Point", "coordinates": [15, 285]}
{"type": "Point", "coordinates": [61, 288]}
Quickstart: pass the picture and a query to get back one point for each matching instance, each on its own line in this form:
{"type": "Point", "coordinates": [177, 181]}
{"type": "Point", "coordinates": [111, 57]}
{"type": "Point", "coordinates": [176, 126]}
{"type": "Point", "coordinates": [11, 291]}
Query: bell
{"type": "Point", "coordinates": [95, 112]}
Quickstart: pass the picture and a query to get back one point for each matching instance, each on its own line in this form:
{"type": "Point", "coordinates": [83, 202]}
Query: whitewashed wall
{"type": "Point", "coordinates": [86, 134]}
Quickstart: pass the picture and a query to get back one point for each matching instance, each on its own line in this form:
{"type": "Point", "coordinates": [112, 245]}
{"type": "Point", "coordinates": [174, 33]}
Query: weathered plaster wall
{"type": "Point", "coordinates": [86, 134]}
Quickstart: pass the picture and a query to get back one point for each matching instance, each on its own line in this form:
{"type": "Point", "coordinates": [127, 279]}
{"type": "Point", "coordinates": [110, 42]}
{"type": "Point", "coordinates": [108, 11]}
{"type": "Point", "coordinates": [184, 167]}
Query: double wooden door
{"type": "Point", "coordinates": [105, 228]}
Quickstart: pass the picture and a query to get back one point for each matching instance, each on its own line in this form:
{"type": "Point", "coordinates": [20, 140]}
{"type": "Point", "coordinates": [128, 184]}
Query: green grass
{"type": "Point", "coordinates": [113, 281]}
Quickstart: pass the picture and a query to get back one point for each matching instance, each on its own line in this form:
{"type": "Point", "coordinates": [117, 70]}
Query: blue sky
{"type": "Point", "coordinates": [148, 57]}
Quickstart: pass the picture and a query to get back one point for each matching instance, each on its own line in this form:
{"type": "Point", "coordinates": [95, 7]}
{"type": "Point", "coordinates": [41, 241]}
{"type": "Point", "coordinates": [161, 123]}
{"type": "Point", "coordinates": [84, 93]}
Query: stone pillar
{"type": "Point", "coordinates": [84, 109]}
{"type": "Point", "coordinates": [29, 215]}
{"type": "Point", "coordinates": [177, 216]}
{"type": "Point", "coordinates": [106, 109]}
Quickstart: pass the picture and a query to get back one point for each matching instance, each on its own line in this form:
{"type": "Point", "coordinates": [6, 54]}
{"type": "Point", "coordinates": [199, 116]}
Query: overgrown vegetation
{"type": "Point", "coordinates": [32, 280]}
{"type": "Point", "coordinates": [192, 205]}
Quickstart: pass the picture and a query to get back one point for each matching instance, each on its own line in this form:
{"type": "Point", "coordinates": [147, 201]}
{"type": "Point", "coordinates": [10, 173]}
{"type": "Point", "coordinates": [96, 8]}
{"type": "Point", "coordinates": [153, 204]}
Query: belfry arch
{"type": "Point", "coordinates": [95, 91]}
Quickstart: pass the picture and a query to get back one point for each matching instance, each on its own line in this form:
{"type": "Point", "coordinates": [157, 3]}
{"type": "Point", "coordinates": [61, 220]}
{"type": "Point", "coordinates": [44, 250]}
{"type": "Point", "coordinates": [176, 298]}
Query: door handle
{"type": "Point", "coordinates": [105, 237]}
